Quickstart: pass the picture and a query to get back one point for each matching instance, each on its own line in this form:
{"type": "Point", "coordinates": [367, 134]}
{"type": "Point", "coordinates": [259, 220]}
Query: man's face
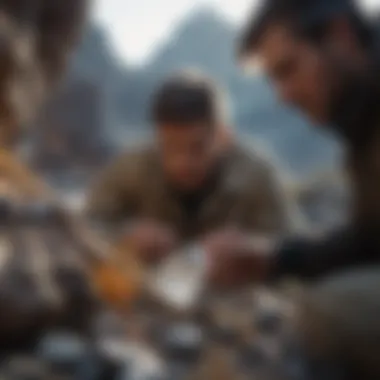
{"type": "Point", "coordinates": [188, 154]}
{"type": "Point", "coordinates": [301, 73]}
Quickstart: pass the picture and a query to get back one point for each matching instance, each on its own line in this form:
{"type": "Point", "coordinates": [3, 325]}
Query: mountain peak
{"type": "Point", "coordinates": [208, 14]}
{"type": "Point", "coordinates": [204, 39]}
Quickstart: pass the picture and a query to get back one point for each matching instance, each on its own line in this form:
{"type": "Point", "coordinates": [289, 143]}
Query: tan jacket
{"type": "Point", "coordinates": [44, 281]}
{"type": "Point", "coordinates": [249, 194]}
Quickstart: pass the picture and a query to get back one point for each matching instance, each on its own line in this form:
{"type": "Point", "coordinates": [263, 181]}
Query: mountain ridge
{"type": "Point", "coordinates": [206, 40]}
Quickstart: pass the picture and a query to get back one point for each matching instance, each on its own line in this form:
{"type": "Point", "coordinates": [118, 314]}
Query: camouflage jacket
{"type": "Point", "coordinates": [248, 193]}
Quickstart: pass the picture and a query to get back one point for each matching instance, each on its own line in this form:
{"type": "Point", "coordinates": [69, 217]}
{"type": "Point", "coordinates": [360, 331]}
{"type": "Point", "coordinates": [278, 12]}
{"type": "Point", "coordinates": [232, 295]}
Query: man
{"type": "Point", "coordinates": [37, 288]}
{"type": "Point", "coordinates": [195, 182]}
{"type": "Point", "coordinates": [321, 58]}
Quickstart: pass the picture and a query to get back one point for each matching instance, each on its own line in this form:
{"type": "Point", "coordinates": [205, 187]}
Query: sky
{"type": "Point", "coordinates": [136, 27]}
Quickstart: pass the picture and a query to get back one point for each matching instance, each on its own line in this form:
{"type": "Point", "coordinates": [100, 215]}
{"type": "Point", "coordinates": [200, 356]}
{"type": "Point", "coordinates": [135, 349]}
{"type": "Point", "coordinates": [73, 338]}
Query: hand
{"type": "Point", "coordinates": [153, 241]}
{"type": "Point", "coordinates": [236, 259]}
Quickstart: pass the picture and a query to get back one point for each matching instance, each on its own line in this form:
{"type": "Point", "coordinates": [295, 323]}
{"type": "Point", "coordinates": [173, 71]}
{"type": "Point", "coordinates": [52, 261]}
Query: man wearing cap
{"type": "Point", "coordinates": [321, 58]}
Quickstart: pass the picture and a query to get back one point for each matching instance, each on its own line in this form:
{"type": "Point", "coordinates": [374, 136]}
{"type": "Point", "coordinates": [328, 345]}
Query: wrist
{"type": "Point", "coordinates": [263, 244]}
{"type": "Point", "coordinates": [265, 251]}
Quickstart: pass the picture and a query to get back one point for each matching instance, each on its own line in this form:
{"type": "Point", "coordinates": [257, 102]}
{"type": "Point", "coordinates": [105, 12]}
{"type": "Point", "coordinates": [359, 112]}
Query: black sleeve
{"type": "Point", "coordinates": [298, 364]}
{"type": "Point", "coordinates": [310, 259]}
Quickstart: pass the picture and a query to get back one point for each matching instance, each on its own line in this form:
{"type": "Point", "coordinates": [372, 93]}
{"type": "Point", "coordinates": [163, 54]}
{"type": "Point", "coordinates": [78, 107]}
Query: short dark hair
{"type": "Point", "coordinates": [307, 18]}
{"type": "Point", "coordinates": [188, 97]}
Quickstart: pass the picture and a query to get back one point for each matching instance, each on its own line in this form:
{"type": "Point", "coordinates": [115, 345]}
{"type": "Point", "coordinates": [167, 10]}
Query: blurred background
{"type": "Point", "coordinates": [102, 106]}
{"type": "Point", "coordinates": [101, 109]}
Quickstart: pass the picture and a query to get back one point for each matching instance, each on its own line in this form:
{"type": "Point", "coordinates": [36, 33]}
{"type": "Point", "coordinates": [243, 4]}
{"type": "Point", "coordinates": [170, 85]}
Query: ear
{"type": "Point", "coordinates": [341, 36]}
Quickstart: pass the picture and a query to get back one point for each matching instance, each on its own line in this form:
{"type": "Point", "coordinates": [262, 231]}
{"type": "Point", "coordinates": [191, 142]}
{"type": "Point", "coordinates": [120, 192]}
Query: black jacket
{"type": "Point", "coordinates": [359, 243]}
{"type": "Point", "coordinates": [306, 259]}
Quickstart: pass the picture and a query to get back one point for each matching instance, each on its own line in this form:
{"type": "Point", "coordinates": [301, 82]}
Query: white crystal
{"type": "Point", "coordinates": [179, 281]}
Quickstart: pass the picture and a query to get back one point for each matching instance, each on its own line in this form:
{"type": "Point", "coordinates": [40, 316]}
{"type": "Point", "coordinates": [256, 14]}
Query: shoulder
{"type": "Point", "coordinates": [257, 163]}
{"type": "Point", "coordinates": [125, 174]}
{"type": "Point", "coordinates": [131, 162]}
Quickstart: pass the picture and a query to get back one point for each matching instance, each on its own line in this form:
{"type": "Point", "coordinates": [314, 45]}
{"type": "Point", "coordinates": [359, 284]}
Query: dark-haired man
{"type": "Point", "coordinates": [193, 181]}
{"type": "Point", "coordinates": [321, 57]}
